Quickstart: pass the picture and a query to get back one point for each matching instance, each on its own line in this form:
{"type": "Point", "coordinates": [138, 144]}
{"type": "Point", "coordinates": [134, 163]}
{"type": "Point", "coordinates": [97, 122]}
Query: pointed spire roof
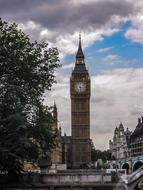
{"type": "Point", "coordinates": [80, 67]}
{"type": "Point", "coordinates": [55, 106]}
{"type": "Point", "coordinates": [55, 113]}
{"type": "Point", "coordinates": [138, 130]}
{"type": "Point", "coordinates": [79, 52]}
{"type": "Point", "coordinates": [121, 126]}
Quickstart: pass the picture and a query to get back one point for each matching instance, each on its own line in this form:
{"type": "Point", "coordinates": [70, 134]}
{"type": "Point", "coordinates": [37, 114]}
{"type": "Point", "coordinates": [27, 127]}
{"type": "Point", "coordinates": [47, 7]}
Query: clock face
{"type": "Point", "coordinates": [80, 87]}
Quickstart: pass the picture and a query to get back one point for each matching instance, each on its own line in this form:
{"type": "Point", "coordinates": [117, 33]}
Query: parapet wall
{"type": "Point", "coordinates": [74, 178]}
{"type": "Point", "coordinates": [82, 180]}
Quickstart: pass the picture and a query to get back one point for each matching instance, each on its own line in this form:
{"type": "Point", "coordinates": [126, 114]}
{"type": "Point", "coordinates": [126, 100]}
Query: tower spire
{"type": "Point", "coordinates": [79, 55]}
{"type": "Point", "coordinates": [55, 113]}
{"type": "Point", "coordinates": [80, 39]}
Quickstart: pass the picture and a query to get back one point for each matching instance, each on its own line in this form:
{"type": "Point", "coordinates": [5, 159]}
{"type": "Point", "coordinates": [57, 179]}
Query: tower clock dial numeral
{"type": "Point", "coordinates": [80, 87]}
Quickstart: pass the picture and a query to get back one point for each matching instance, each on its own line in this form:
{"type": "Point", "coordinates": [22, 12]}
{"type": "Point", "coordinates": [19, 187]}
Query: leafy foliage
{"type": "Point", "coordinates": [98, 154]}
{"type": "Point", "coordinates": [26, 71]}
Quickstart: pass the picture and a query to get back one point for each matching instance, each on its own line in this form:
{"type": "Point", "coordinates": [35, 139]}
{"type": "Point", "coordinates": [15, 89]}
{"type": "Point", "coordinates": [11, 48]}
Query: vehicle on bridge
{"type": "Point", "coordinates": [120, 172]}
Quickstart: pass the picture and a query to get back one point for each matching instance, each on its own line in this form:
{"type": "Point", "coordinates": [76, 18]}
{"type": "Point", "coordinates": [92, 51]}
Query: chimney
{"type": "Point", "coordinates": [139, 120]}
{"type": "Point", "coordinates": [60, 131]}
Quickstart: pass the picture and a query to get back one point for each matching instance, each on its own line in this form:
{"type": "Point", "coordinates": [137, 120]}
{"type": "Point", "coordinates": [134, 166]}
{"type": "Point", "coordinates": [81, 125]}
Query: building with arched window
{"type": "Point", "coordinates": [119, 146]}
{"type": "Point", "coordinates": [137, 139]}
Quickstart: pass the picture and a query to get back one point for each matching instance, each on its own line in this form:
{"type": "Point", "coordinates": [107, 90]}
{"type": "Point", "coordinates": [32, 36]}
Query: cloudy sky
{"type": "Point", "coordinates": [112, 40]}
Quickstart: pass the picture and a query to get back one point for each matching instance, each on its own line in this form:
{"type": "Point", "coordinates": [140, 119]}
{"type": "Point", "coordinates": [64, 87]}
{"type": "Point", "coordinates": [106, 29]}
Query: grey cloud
{"type": "Point", "coordinates": [101, 127]}
{"type": "Point", "coordinates": [15, 6]}
{"type": "Point", "coordinates": [135, 113]}
{"type": "Point", "coordinates": [62, 14]}
{"type": "Point", "coordinates": [103, 97]}
{"type": "Point", "coordinates": [68, 17]}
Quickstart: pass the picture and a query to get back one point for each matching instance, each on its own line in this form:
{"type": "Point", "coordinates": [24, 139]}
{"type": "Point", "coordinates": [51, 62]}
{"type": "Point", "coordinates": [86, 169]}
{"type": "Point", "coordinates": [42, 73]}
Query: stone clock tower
{"type": "Point", "coordinates": [80, 111]}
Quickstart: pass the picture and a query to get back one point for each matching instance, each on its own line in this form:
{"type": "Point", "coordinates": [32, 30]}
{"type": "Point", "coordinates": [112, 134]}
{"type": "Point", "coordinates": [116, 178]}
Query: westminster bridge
{"type": "Point", "coordinates": [70, 180]}
{"type": "Point", "coordinates": [130, 164]}
{"type": "Point", "coordinates": [81, 180]}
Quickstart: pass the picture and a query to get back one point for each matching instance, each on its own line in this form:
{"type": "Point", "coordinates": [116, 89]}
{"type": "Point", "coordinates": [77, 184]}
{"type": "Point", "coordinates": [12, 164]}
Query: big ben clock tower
{"type": "Point", "coordinates": [80, 111]}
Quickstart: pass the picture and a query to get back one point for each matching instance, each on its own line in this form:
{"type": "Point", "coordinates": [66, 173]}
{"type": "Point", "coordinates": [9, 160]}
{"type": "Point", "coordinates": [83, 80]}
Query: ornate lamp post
{"type": "Point", "coordinates": [44, 163]}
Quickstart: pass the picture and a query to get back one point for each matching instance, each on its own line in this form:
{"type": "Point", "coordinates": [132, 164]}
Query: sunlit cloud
{"type": "Point", "coordinates": [105, 49]}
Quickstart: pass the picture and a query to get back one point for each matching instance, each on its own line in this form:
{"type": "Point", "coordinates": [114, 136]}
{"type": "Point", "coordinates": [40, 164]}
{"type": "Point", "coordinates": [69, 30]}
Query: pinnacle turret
{"type": "Point", "coordinates": [55, 113]}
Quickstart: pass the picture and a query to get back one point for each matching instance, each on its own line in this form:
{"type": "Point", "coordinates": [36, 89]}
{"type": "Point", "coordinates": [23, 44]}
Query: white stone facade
{"type": "Point", "coordinates": [119, 146]}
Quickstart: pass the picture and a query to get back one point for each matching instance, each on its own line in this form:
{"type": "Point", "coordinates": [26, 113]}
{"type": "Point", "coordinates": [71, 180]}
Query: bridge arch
{"type": "Point", "coordinates": [137, 165]}
{"type": "Point", "coordinates": [126, 166]}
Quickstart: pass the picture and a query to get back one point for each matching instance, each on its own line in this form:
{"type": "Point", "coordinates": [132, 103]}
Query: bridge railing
{"type": "Point", "coordinates": [77, 178]}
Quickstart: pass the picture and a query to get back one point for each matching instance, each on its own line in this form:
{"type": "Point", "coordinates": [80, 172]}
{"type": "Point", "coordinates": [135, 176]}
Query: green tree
{"type": "Point", "coordinates": [98, 154]}
{"type": "Point", "coordinates": [26, 72]}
